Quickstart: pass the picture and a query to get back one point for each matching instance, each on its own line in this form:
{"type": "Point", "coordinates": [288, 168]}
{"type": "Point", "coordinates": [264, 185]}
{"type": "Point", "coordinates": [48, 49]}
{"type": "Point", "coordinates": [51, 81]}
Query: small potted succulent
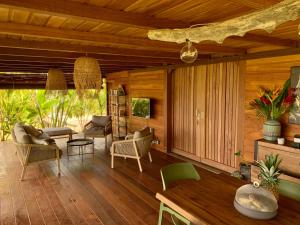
{"type": "Point", "coordinates": [269, 173]}
{"type": "Point", "coordinates": [245, 168]}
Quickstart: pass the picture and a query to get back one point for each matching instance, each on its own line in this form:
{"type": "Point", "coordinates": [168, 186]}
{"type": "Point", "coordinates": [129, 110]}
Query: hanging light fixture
{"type": "Point", "coordinates": [188, 53]}
{"type": "Point", "coordinates": [87, 75]}
{"type": "Point", "coordinates": [56, 83]}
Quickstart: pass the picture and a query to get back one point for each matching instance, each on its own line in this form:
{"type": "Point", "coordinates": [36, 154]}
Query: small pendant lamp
{"type": "Point", "coordinates": [56, 83]}
{"type": "Point", "coordinates": [87, 75]}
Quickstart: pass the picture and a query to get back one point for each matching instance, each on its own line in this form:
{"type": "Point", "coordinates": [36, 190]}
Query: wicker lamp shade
{"type": "Point", "coordinates": [56, 82]}
{"type": "Point", "coordinates": [87, 74]}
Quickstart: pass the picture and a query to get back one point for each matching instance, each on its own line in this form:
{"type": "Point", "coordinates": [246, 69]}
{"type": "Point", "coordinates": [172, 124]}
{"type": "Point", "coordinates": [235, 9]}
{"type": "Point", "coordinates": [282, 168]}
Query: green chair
{"type": "Point", "coordinates": [289, 189]}
{"type": "Point", "coordinates": [170, 174]}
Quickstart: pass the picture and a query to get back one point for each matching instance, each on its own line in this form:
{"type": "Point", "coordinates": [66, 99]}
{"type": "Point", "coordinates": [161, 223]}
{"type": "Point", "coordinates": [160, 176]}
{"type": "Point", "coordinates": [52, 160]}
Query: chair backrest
{"type": "Point", "coordinates": [101, 120]}
{"type": "Point", "coordinates": [143, 144]}
{"type": "Point", "coordinates": [178, 171]}
{"type": "Point", "coordinates": [289, 189]}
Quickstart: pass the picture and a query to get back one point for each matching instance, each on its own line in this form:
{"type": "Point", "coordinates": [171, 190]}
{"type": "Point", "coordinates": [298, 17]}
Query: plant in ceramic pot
{"type": "Point", "coordinates": [271, 105]}
{"type": "Point", "coordinates": [269, 173]}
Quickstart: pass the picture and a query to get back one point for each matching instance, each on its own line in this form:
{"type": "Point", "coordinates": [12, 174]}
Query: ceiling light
{"type": "Point", "coordinates": [87, 74]}
{"type": "Point", "coordinates": [56, 83]}
{"type": "Point", "coordinates": [188, 53]}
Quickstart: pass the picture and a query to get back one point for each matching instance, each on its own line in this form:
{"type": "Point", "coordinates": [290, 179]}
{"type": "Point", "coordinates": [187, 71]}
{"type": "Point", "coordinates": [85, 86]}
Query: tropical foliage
{"type": "Point", "coordinates": [36, 108]}
{"type": "Point", "coordinates": [14, 106]}
{"type": "Point", "coordinates": [273, 103]}
{"type": "Point", "coordinates": [269, 170]}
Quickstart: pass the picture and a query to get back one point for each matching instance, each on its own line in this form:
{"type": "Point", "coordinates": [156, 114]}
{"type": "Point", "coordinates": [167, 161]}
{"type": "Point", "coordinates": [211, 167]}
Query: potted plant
{"type": "Point", "coordinates": [245, 168]}
{"type": "Point", "coordinates": [269, 173]}
{"type": "Point", "coordinates": [271, 105]}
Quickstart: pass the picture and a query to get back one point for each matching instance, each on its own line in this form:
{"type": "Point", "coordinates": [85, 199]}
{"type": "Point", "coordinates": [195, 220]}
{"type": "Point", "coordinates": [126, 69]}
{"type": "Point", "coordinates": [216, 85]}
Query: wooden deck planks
{"type": "Point", "coordinates": [86, 193]}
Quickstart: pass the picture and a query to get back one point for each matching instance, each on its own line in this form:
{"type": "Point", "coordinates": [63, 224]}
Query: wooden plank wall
{"type": "Point", "coordinates": [267, 73]}
{"type": "Point", "coordinates": [150, 84]}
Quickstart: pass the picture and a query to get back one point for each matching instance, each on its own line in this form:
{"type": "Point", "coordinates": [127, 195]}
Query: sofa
{"type": "Point", "coordinates": [34, 146]}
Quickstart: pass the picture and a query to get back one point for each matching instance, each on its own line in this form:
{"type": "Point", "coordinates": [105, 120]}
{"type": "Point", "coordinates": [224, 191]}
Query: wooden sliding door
{"type": "Point", "coordinates": [207, 101]}
{"type": "Point", "coordinates": [188, 111]}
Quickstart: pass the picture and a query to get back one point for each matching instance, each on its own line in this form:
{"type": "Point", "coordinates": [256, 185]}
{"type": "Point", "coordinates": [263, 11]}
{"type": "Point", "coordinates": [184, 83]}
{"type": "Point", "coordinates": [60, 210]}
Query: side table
{"type": "Point", "coordinates": [81, 143]}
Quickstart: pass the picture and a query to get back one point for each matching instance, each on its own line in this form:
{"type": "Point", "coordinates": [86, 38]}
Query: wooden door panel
{"type": "Point", "coordinates": [222, 113]}
{"type": "Point", "coordinates": [183, 110]}
{"type": "Point", "coordinates": [206, 118]}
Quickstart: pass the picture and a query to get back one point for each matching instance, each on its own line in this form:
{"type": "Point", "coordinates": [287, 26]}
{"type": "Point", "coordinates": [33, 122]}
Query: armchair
{"type": "Point", "coordinates": [33, 146]}
{"type": "Point", "coordinates": [134, 146]}
{"type": "Point", "coordinates": [99, 126]}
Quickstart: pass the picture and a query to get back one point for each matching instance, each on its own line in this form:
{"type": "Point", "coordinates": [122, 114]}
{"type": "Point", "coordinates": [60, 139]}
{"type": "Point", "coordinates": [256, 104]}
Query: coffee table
{"type": "Point", "coordinates": [81, 143]}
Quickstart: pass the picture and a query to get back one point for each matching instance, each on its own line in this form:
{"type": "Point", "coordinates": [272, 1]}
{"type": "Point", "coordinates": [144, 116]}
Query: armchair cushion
{"type": "Point", "coordinates": [100, 120]}
{"type": "Point", "coordinates": [31, 130]}
{"type": "Point", "coordinates": [42, 141]}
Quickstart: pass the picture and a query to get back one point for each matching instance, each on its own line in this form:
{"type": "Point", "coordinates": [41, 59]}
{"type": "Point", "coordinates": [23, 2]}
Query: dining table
{"type": "Point", "coordinates": [210, 201]}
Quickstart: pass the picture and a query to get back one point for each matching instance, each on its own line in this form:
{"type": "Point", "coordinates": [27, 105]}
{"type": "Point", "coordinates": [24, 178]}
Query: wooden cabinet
{"type": "Point", "coordinates": [118, 106]}
{"type": "Point", "coordinates": [288, 153]}
{"type": "Point", "coordinates": [290, 165]}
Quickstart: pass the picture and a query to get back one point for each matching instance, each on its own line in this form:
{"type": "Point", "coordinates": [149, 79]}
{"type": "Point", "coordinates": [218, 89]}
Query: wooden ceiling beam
{"type": "Point", "coordinates": [266, 40]}
{"type": "Point", "coordinates": [93, 37]}
{"type": "Point", "coordinates": [77, 10]}
{"type": "Point", "coordinates": [44, 69]}
{"type": "Point", "coordinates": [83, 49]}
{"type": "Point", "coordinates": [255, 4]}
{"type": "Point", "coordinates": [72, 57]}
{"type": "Point", "coordinates": [106, 39]}
{"type": "Point", "coordinates": [71, 64]}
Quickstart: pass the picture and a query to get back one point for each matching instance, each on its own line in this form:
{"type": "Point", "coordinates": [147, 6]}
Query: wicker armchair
{"type": "Point", "coordinates": [34, 149]}
{"type": "Point", "coordinates": [134, 146]}
{"type": "Point", "coordinates": [99, 126]}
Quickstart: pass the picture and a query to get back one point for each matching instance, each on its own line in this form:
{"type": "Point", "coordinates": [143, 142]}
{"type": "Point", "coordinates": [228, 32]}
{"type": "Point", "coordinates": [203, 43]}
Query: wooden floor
{"type": "Point", "coordinates": [88, 192]}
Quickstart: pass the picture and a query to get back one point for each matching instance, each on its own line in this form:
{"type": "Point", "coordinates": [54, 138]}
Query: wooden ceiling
{"type": "Point", "coordinates": [37, 35]}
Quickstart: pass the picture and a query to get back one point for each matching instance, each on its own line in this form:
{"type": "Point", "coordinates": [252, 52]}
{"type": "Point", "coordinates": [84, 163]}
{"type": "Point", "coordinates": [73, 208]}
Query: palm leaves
{"type": "Point", "coordinates": [269, 170]}
{"type": "Point", "coordinates": [33, 107]}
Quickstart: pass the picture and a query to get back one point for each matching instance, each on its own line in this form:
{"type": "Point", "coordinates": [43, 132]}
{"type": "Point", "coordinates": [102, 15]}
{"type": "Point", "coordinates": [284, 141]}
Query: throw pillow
{"type": "Point", "coordinates": [41, 141]}
{"type": "Point", "coordinates": [141, 133]}
{"type": "Point", "coordinates": [32, 130]}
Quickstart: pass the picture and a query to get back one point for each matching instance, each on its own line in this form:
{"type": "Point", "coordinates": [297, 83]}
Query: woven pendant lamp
{"type": "Point", "coordinates": [87, 75]}
{"type": "Point", "coordinates": [56, 83]}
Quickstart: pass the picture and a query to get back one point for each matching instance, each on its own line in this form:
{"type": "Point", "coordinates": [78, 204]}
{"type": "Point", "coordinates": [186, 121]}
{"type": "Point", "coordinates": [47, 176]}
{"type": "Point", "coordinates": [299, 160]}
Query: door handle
{"type": "Point", "coordinates": [198, 116]}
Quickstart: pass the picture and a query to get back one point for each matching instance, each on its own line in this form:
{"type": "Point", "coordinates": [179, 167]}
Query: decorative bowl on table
{"type": "Point", "coordinates": [255, 202]}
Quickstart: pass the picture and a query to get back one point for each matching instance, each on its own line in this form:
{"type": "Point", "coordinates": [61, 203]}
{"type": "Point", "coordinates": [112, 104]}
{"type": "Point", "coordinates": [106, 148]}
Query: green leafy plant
{"type": "Point", "coordinates": [35, 108]}
{"type": "Point", "coordinates": [15, 106]}
{"type": "Point", "coordinates": [273, 103]}
{"type": "Point", "coordinates": [269, 170]}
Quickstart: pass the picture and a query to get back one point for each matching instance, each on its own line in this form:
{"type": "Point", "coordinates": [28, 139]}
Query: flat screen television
{"type": "Point", "coordinates": [140, 107]}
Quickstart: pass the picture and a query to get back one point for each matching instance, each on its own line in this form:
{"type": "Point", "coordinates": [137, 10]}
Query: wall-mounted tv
{"type": "Point", "coordinates": [140, 107]}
